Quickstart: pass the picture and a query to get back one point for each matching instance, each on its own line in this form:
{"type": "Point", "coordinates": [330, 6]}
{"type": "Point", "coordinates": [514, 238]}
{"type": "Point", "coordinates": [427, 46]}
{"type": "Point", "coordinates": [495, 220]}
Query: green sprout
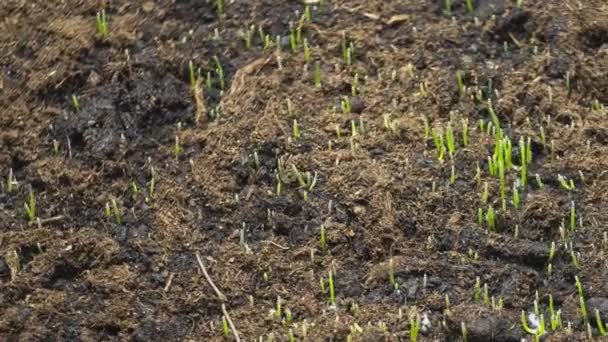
{"type": "Point", "coordinates": [292, 40]}
{"type": "Point", "coordinates": [225, 326]}
{"type": "Point", "coordinates": [463, 331]}
{"type": "Point", "coordinates": [322, 240]}
{"type": "Point", "coordinates": [519, 4]}
{"type": "Point", "coordinates": [480, 216]}
{"type": "Point", "coordinates": [477, 173]}
{"type": "Point", "coordinates": [598, 319]}
{"type": "Point", "coordinates": [448, 7]}
{"type": "Point", "coordinates": [552, 251]}
{"type": "Point", "coordinates": [540, 331]}
{"type": "Point", "coordinates": [459, 80]}
{"type": "Point", "coordinates": [278, 312]}
{"type": "Point", "coordinates": [102, 24]}
{"type": "Point", "coordinates": [177, 149]}
{"type": "Point", "coordinates": [523, 162]}
{"type": "Point", "coordinates": [414, 328]}
{"type": "Point", "coordinates": [427, 130]}
{"type": "Point", "coordinates": [116, 211]}
{"type": "Point", "coordinates": [477, 290]}
{"type": "Point", "coordinates": [355, 85]}
{"type": "Point", "coordinates": [449, 138]}
{"type": "Point", "coordinates": [30, 206]}
{"type": "Point", "coordinates": [564, 182]}
{"type": "Point", "coordinates": [572, 216]}
{"type": "Point", "coordinates": [491, 219]}
{"type": "Point", "coordinates": [465, 131]}
{"type": "Point", "coordinates": [345, 105]}
{"type": "Point", "coordinates": [134, 190]}
{"type": "Point", "coordinates": [248, 36]}
{"type": "Point", "coordinates": [296, 130]}
{"type": "Point", "coordinates": [306, 51]}
{"type": "Point", "coordinates": [579, 288]}
{"type": "Point", "coordinates": [11, 182]}
{"type": "Point", "coordinates": [332, 295]}
{"type": "Point", "coordinates": [220, 72]}
{"type": "Point", "coordinates": [439, 145]}
{"type": "Point", "coordinates": [55, 146]}
{"type": "Point", "coordinates": [470, 7]}
{"type": "Point", "coordinates": [515, 196]}
{"type": "Point", "coordinates": [288, 316]}
{"type": "Point", "coordinates": [307, 15]}
{"type": "Point", "coordinates": [317, 75]}
{"type": "Point", "coordinates": [75, 103]}
{"type": "Point", "coordinates": [347, 52]}
{"type": "Point", "coordinates": [391, 274]}
{"type": "Point", "coordinates": [485, 194]}
{"type": "Point", "coordinates": [539, 181]}
{"type": "Point", "coordinates": [219, 5]}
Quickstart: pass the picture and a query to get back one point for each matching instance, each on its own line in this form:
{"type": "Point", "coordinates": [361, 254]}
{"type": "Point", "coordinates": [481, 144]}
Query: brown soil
{"type": "Point", "coordinates": [77, 275]}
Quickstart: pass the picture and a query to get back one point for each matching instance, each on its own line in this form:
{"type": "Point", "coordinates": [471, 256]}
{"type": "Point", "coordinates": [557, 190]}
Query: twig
{"type": "Point", "coordinates": [232, 327]}
{"type": "Point", "coordinates": [276, 244]}
{"type": "Point", "coordinates": [47, 220]}
{"type": "Point", "coordinates": [169, 281]}
{"type": "Point", "coordinates": [217, 291]}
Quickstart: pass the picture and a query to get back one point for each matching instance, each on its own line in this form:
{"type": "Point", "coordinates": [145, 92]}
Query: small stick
{"type": "Point", "coordinates": [47, 220]}
{"type": "Point", "coordinates": [217, 291]}
{"type": "Point", "coordinates": [169, 281]}
{"type": "Point", "coordinates": [232, 327]}
{"type": "Point", "coordinates": [276, 244]}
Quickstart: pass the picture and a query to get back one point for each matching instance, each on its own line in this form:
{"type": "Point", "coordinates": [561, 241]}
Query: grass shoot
{"type": "Point", "coordinates": [102, 24]}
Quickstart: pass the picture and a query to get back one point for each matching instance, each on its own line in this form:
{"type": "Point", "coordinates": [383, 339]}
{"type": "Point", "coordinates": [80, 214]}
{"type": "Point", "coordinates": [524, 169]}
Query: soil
{"type": "Point", "coordinates": [384, 200]}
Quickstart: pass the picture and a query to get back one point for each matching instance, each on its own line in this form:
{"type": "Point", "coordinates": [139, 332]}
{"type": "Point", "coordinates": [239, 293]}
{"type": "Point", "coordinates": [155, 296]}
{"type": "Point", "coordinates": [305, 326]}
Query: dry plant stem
{"type": "Point", "coordinates": [220, 295]}
{"type": "Point", "coordinates": [276, 244]}
{"type": "Point", "coordinates": [46, 220]}
{"type": "Point", "coordinates": [217, 291]}
{"type": "Point", "coordinates": [232, 327]}
{"type": "Point", "coordinates": [169, 281]}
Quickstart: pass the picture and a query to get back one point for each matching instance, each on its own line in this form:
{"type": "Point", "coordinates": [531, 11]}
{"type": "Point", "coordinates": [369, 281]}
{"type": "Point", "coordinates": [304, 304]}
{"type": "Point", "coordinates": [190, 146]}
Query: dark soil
{"type": "Point", "coordinates": [74, 274]}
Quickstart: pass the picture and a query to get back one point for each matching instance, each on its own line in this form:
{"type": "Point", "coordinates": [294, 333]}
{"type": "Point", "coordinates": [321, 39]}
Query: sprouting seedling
{"type": "Point", "coordinates": [491, 219]}
{"type": "Point", "coordinates": [219, 5]}
{"type": "Point", "coordinates": [568, 82]}
{"type": "Point", "coordinates": [11, 182]}
{"type": "Point", "coordinates": [543, 138]}
{"type": "Point", "coordinates": [448, 7]}
{"type": "Point", "coordinates": [572, 216]}
{"type": "Point", "coordinates": [177, 149]}
{"type": "Point", "coordinates": [332, 295]}
{"type": "Point", "coordinates": [453, 175]}
{"type": "Point", "coordinates": [296, 130]}
{"type": "Point", "coordinates": [307, 14]}
{"type": "Point", "coordinates": [598, 320]}
{"type": "Point", "coordinates": [192, 75]}
{"type": "Point", "coordinates": [278, 312]}
{"type": "Point", "coordinates": [306, 51]}
{"type": "Point", "coordinates": [480, 216]}
{"type": "Point", "coordinates": [288, 316]}
{"type": "Point", "coordinates": [355, 84]}
{"type": "Point", "coordinates": [470, 6]}
{"type": "Point", "coordinates": [345, 105]}
{"type": "Point", "coordinates": [391, 273]}
{"type": "Point", "coordinates": [477, 177]}
{"type": "Point", "coordinates": [115, 211]}
{"type": "Point", "coordinates": [523, 162]}
{"type": "Point", "coordinates": [414, 328]}
{"type": "Point", "coordinates": [248, 36]}
{"type": "Point", "coordinates": [75, 103]}
{"type": "Point", "coordinates": [219, 70]}
{"type": "Point", "coordinates": [439, 145]}
{"type": "Point", "coordinates": [583, 307]}
{"type": "Point", "coordinates": [427, 129]}
{"type": "Point", "coordinates": [225, 326]}
{"type": "Point", "coordinates": [449, 139]}
{"type": "Point", "coordinates": [552, 251]}
{"type": "Point", "coordinates": [322, 240]}
{"type": "Point", "coordinates": [568, 185]}
{"type": "Point", "coordinates": [55, 147]}
{"type": "Point", "coordinates": [30, 206]}
{"type": "Point", "coordinates": [515, 196]}
{"type": "Point", "coordinates": [317, 75]}
{"type": "Point", "coordinates": [477, 290]}
{"type": "Point", "coordinates": [485, 194]}
{"type": "Point", "coordinates": [134, 190]}
{"type": "Point", "coordinates": [292, 40]}
{"type": "Point", "coordinates": [539, 181]}
{"type": "Point", "coordinates": [519, 4]}
{"type": "Point", "coordinates": [102, 24]}
{"type": "Point", "coordinates": [459, 80]}
{"type": "Point", "coordinates": [465, 131]}
{"type": "Point", "coordinates": [536, 332]}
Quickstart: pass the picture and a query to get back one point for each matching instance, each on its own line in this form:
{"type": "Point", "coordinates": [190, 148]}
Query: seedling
{"type": "Point", "coordinates": [568, 185]}
{"type": "Point", "coordinates": [598, 320]}
{"type": "Point", "coordinates": [296, 130]}
{"type": "Point", "coordinates": [391, 273]}
{"type": "Point", "coordinates": [345, 105]}
{"type": "Point", "coordinates": [519, 4]}
{"type": "Point", "coordinates": [523, 162]}
{"type": "Point", "coordinates": [75, 103]}
{"type": "Point", "coordinates": [317, 75]}
{"type": "Point", "coordinates": [332, 295]}
{"type": "Point", "coordinates": [449, 138]}
{"type": "Point", "coordinates": [277, 312]}
{"type": "Point", "coordinates": [579, 288]}
{"type": "Point", "coordinates": [116, 211]}
{"type": "Point", "coordinates": [307, 14]}
{"type": "Point", "coordinates": [461, 87]}
{"type": "Point", "coordinates": [225, 326]}
{"type": "Point", "coordinates": [515, 196]}
{"type": "Point", "coordinates": [448, 7]}
{"type": "Point", "coordinates": [306, 52]}
{"type": "Point", "coordinates": [248, 36]}
{"type": "Point", "coordinates": [292, 40]}
{"type": "Point", "coordinates": [470, 6]}
{"type": "Point", "coordinates": [220, 72]}
{"type": "Point", "coordinates": [427, 130]}
{"type": "Point", "coordinates": [477, 290]}
{"type": "Point", "coordinates": [414, 328]}
{"type": "Point", "coordinates": [55, 147]}
{"type": "Point", "coordinates": [177, 149]}
{"type": "Point", "coordinates": [439, 145]}
{"type": "Point", "coordinates": [134, 190]}
{"type": "Point", "coordinates": [219, 5]}
{"type": "Point", "coordinates": [102, 24]}
{"type": "Point", "coordinates": [465, 131]}
{"type": "Point", "coordinates": [491, 219]}
{"type": "Point", "coordinates": [463, 331]}
{"type": "Point", "coordinates": [539, 181]}
{"type": "Point", "coordinates": [572, 216]}
{"type": "Point", "coordinates": [11, 182]}
{"type": "Point", "coordinates": [30, 206]}
{"type": "Point", "coordinates": [322, 240]}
